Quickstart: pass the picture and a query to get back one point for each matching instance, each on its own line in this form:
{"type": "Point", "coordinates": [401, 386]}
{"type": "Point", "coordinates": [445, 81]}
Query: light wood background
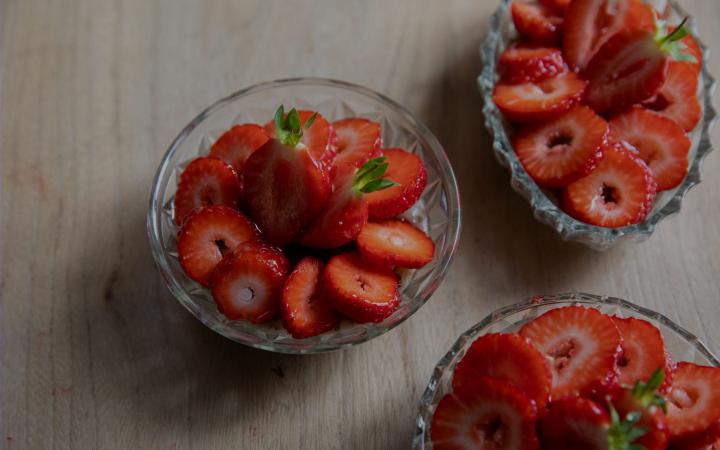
{"type": "Point", "coordinates": [95, 351]}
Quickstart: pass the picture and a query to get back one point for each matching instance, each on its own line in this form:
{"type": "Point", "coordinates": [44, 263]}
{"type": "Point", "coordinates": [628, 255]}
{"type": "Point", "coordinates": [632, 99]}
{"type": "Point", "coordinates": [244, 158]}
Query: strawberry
{"type": "Point", "coordinates": [643, 352]}
{"type": "Point", "coordinates": [660, 142]}
{"type": "Point", "coordinates": [536, 22]}
{"type": "Point", "coordinates": [205, 182]}
{"type": "Point", "coordinates": [583, 345]}
{"type": "Point", "coordinates": [305, 311]}
{"type": "Point", "coordinates": [283, 185]}
{"type": "Point", "coordinates": [248, 282]}
{"type": "Point", "coordinates": [360, 291]}
{"type": "Point", "coordinates": [619, 192]}
{"type": "Point", "coordinates": [528, 63]}
{"type": "Point", "coordinates": [557, 6]}
{"type": "Point", "coordinates": [207, 235]}
{"type": "Point", "coordinates": [692, 50]}
{"type": "Point", "coordinates": [640, 15]}
{"type": "Point", "coordinates": [358, 141]}
{"type": "Point", "coordinates": [693, 404]}
{"type": "Point", "coordinates": [562, 150]}
{"type": "Point", "coordinates": [318, 136]}
{"type": "Point", "coordinates": [541, 101]}
{"type": "Point", "coordinates": [408, 172]}
{"type": "Point", "coordinates": [488, 414]}
{"type": "Point", "coordinates": [347, 211]}
{"type": "Point", "coordinates": [395, 243]}
{"type": "Point", "coordinates": [508, 357]}
{"type": "Point", "coordinates": [235, 145]}
{"type": "Point", "coordinates": [677, 99]}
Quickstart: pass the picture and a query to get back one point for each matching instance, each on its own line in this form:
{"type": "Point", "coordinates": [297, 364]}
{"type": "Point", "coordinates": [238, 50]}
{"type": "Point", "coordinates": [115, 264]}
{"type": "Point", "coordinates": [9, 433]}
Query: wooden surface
{"type": "Point", "coordinates": [95, 351]}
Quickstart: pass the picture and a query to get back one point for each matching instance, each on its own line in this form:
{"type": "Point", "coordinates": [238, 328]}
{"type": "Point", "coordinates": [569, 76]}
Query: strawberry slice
{"type": "Point", "coordinates": [489, 414]}
{"type": "Point", "coordinates": [248, 282]}
{"type": "Point", "coordinates": [660, 142]}
{"type": "Point", "coordinates": [318, 136]}
{"type": "Point", "coordinates": [557, 6]}
{"type": "Point", "coordinates": [395, 243]}
{"type": "Point", "coordinates": [360, 291]}
{"type": "Point", "coordinates": [544, 100]}
{"type": "Point", "coordinates": [508, 357]}
{"type": "Point", "coordinates": [643, 352]}
{"type": "Point", "coordinates": [693, 404]}
{"type": "Point", "coordinates": [640, 15]}
{"type": "Point", "coordinates": [305, 311]}
{"type": "Point", "coordinates": [522, 63]}
{"type": "Point", "coordinates": [358, 141]}
{"type": "Point", "coordinates": [677, 99]}
{"type": "Point", "coordinates": [205, 182]}
{"type": "Point", "coordinates": [583, 345]}
{"type": "Point", "coordinates": [619, 192]}
{"type": "Point", "coordinates": [283, 185]}
{"type": "Point", "coordinates": [408, 172]}
{"type": "Point", "coordinates": [564, 149]}
{"type": "Point", "coordinates": [536, 22]}
{"type": "Point", "coordinates": [235, 145]}
{"type": "Point", "coordinates": [207, 235]}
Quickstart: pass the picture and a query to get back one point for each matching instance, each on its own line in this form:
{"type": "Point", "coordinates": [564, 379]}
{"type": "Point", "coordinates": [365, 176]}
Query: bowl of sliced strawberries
{"type": "Point", "coordinates": [573, 372]}
{"type": "Point", "coordinates": [601, 110]}
{"type": "Point", "coordinates": [304, 215]}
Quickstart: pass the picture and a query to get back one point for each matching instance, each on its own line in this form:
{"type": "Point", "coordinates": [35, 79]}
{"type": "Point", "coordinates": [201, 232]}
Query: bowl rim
{"type": "Point", "coordinates": [544, 209]}
{"type": "Point", "coordinates": [436, 276]}
{"type": "Point", "coordinates": [567, 298]}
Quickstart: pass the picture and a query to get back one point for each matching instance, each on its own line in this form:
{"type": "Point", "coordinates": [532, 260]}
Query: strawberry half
{"type": "Point", "coordinates": [237, 144]}
{"type": "Point", "coordinates": [205, 182]}
{"type": "Point", "coordinates": [207, 235]}
{"type": "Point", "coordinates": [358, 141]}
{"type": "Point", "coordinates": [544, 100]}
{"type": "Point", "coordinates": [693, 404]}
{"type": "Point", "coordinates": [643, 352]}
{"type": "Point", "coordinates": [360, 291]}
{"type": "Point", "coordinates": [305, 311]}
{"type": "Point", "coordinates": [619, 192]}
{"type": "Point", "coordinates": [284, 187]}
{"type": "Point", "coordinates": [408, 173]}
{"type": "Point", "coordinates": [521, 63]}
{"type": "Point", "coordinates": [536, 22]}
{"type": "Point", "coordinates": [677, 99]}
{"type": "Point", "coordinates": [247, 283]}
{"type": "Point", "coordinates": [488, 414]}
{"type": "Point", "coordinates": [318, 136]}
{"type": "Point", "coordinates": [583, 345]}
{"type": "Point", "coordinates": [508, 357]}
{"type": "Point", "coordinates": [395, 243]}
{"type": "Point", "coordinates": [660, 142]}
{"type": "Point", "coordinates": [564, 149]}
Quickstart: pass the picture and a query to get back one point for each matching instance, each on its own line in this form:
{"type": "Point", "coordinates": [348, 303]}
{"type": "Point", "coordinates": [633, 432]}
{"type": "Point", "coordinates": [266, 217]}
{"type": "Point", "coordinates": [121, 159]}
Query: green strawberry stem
{"type": "Point", "coordinates": [369, 178]}
{"type": "Point", "coordinates": [288, 129]}
{"type": "Point", "coordinates": [623, 433]}
{"type": "Point", "coordinates": [671, 43]}
{"type": "Point", "coordinates": [646, 393]}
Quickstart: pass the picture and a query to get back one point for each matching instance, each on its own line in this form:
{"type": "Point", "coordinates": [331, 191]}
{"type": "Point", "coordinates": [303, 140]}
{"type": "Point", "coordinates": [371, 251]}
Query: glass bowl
{"type": "Point", "coordinates": [437, 211]}
{"type": "Point", "coordinates": [543, 202]}
{"type": "Point", "coordinates": [682, 345]}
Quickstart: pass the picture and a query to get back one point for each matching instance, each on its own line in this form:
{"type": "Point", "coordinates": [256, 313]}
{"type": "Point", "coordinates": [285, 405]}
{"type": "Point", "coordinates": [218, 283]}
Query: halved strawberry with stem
{"type": "Point", "coordinates": [564, 149]}
{"type": "Point", "coordinates": [408, 172]}
{"type": "Point", "coordinates": [318, 136]}
{"type": "Point", "coordinates": [358, 141]}
{"type": "Point", "coordinates": [619, 192]}
{"type": "Point", "coordinates": [660, 142]}
{"type": "Point", "coordinates": [536, 22]}
{"type": "Point", "coordinates": [522, 63]}
{"type": "Point", "coordinates": [305, 310]}
{"type": "Point", "coordinates": [583, 345]}
{"type": "Point", "coordinates": [643, 352]}
{"type": "Point", "coordinates": [237, 144]}
{"type": "Point", "coordinates": [508, 357]}
{"type": "Point", "coordinates": [205, 182]}
{"type": "Point", "coordinates": [359, 290]}
{"type": "Point", "coordinates": [248, 282]}
{"type": "Point", "coordinates": [540, 101]}
{"type": "Point", "coordinates": [677, 99]}
{"type": "Point", "coordinates": [395, 243]}
{"type": "Point", "coordinates": [488, 414]}
{"type": "Point", "coordinates": [693, 403]}
{"type": "Point", "coordinates": [207, 235]}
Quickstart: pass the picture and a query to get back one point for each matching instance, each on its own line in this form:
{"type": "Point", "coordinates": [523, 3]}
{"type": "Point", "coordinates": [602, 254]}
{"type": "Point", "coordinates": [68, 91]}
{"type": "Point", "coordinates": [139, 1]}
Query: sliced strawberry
{"type": "Point", "coordinates": [619, 192]}
{"type": "Point", "coordinates": [677, 99]}
{"type": "Point", "coordinates": [557, 6]}
{"type": "Point", "coordinates": [358, 141]}
{"type": "Point", "coordinates": [508, 357]}
{"type": "Point", "coordinates": [527, 63]}
{"type": "Point", "coordinates": [235, 145]}
{"type": "Point", "coordinates": [395, 243]}
{"type": "Point", "coordinates": [406, 170]}
{"type": "Point", "coordinates": [660, 142]}
{"type": "Point", "coordinates": [536, 22]}
{"type": "Point", "coordinates": [248, 282]}
{"type": "Point", "coordinates": [544, 100]}
{"type": "Point", "coordinates": [360, 291]}
{"type": "Point", "coordinates": [207, 235]}
{"type": "Point", "coordinates": [693, 407]}
{"type": "Point", "coordinates": [643, 352]}
{"type": "Point", "coordinates": [319, 137]}
{"type": "Point", "coordinates": [583, 345]}
{"type": "Point", "coordinates": [710, 440]}
{"type": "Point", "coordinates": [205, 182]}
{"type": "Point", "coordinates": [305, 311]}
{"type": "Point", "coordinates": [564, 149]}
{"type": "Point", "coordinates": [574, 423]}
{"type": "Point", "coordinates": [640, 15]}
{"type": "Point", "coordinates": [488, 414]}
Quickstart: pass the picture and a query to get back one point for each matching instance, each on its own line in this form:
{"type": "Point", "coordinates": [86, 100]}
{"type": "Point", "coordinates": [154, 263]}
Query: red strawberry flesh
{"type": "Point", "coordinates": [677, 99]}
{"type": "Point", "coordinates": [395, 243]}
{"type": "Point", "coordinates": [536, 22]}
{"type": "Point", "coordinates": [237, 144]}
{"type": "Point", "coordinates": [526, 63]}
{"type": "Point", "coordinates": [305, 311]}
{"type": "Point", "coordinates": [205, 182]}
{"type": "Point", "coordinates": [694, 401]}
{"type": "Point", "coordinates": [408, 171]}
{"type": "Point", "coordinates": [575, 423]}
{"type": "Point", "coordinates": [541, 101]}
{"type": "Point", "coordinates": [643, 351]}
{"type": "Point", "coordinates": [358, 141]}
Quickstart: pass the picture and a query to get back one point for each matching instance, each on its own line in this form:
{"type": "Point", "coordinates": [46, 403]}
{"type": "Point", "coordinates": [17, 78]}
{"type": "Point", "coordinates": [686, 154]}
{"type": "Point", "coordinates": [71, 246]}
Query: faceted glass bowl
{"type": "Point", "coordinates": [437, 212]}
{"type": "Point", "coordinates": [682, 345]}
{"type": "Point", "coordinates": [543, 202]}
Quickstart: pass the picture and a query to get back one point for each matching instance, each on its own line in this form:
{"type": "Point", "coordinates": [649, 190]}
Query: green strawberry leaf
{"type": "Point", "coordinates": [369, 177]}
{"type": "Point", "coordinates": [671, 43]}
{"type": "Point", "coordinates": [623, 433]}
{"type": "Point", "coordinates": [646, 393]}
{"type": "Point", "coordinates": [288, 129]}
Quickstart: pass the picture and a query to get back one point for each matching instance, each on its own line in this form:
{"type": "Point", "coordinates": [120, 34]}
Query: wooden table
{"type": "Point", "coordinates": [95, 351]}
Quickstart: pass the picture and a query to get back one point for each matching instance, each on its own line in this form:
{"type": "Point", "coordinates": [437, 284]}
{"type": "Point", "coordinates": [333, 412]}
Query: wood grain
{"type": "Point", "coordinates": [95, 351]}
